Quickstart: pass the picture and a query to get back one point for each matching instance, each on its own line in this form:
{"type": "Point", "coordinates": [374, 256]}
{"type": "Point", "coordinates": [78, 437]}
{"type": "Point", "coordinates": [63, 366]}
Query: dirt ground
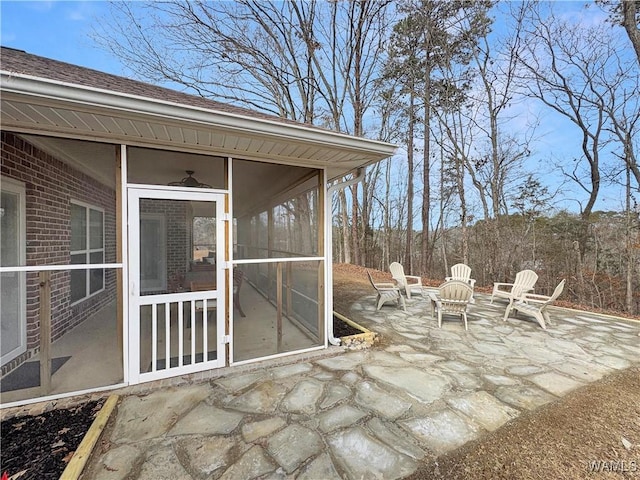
{"type": "Point", "coordinates": [593, 432]}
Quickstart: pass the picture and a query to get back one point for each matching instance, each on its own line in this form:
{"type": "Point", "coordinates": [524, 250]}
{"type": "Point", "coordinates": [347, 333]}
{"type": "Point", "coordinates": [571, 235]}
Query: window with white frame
{"type": "Point", "coordinates": [87, 248]}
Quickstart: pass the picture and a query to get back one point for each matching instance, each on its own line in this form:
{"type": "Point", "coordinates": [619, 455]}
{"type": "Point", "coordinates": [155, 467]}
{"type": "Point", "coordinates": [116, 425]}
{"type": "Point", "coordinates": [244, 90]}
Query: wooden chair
{"type": "Point", "coordinates": [386, 292]}
{"type": "Point", "coordinates": [238, 276]}
{"type": "Point", "coordinates": [408, 283]}
{"type": "Point", "coordinates": [536, 305]}
{"type": "Point", "coordinates": [200, 286]}
{"type": "Point", "coordinates": [203, 286]}
{"type": "Point", "coordinates": [524, 282]}
{"type": "Point", "coordinates": [462, 272]}
{"type": "Point", "coordinates": [453, 297]}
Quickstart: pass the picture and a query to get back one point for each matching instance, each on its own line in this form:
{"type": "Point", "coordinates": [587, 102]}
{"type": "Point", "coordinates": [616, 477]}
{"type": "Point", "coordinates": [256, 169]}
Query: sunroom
{"type": "Point", "coordinates": [148, 233]}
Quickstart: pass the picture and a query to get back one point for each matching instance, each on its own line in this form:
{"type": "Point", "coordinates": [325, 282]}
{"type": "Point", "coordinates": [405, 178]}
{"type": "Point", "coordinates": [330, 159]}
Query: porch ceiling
{"type": "Point", "coordinates": [34, 105]}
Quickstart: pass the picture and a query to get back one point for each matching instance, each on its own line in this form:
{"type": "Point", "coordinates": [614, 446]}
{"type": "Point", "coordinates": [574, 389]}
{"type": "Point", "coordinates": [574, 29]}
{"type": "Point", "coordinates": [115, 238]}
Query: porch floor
{"type": "Point", "coordinates": [95, 356]}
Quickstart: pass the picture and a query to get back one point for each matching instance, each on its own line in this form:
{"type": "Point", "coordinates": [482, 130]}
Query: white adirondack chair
{"type": "Point", "coordinates": [524, 282]}
{"type": "Point", "coordinates": [536, 305]}
{"type": "Point", "coordinates": [462, 272]}
{"type": "Point", "coordinates": [386, 293]}
{"type": "Point", "coordinates": [408, 283]}
{"type": "Point", "coordinates": [453, 297]}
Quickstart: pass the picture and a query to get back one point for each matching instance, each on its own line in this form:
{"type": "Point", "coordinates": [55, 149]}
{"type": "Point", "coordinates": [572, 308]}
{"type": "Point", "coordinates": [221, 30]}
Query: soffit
{"type": "Point", "coordinates": [37, 106]}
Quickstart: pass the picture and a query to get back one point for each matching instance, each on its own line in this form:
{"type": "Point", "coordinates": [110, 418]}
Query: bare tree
{"type": "Point", "coordinates": [560, 71]}
{"type": "Point", "coordinates": [431, 35]}
{"type": "Point", "coordinates": [631, 23]}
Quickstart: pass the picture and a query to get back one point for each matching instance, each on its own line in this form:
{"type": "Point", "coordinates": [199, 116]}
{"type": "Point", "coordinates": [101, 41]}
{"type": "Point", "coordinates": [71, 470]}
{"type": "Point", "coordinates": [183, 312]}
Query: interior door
{"type": "Point", "coordinates": [176, 282]}
{"type": "Point", "coordinates": [13, 330]}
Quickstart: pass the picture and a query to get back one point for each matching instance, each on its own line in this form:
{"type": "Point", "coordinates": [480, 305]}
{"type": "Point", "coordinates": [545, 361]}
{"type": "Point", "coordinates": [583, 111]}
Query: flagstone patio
{"type": "Point", "coordinates": [374, 413]}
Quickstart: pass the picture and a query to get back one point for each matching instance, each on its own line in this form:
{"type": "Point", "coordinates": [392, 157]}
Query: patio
{"type": "Point", "coordinates": [365, 414]}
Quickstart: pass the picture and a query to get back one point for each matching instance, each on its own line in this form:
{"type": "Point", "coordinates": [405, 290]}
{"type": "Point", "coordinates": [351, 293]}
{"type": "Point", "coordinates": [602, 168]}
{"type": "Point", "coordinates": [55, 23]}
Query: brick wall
{"type": "Point", "coordinates": [177, 214]}
{"type": "Point", "coordinates": [50, 186]}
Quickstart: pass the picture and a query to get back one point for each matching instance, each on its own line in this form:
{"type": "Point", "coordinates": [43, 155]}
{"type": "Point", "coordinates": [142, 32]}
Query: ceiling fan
{"type": "Point", "coordinates": [189, 181]}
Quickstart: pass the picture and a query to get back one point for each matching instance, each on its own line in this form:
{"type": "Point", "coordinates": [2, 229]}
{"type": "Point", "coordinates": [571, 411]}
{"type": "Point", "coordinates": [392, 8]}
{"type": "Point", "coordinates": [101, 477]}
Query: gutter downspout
{"type": "Point", "coordinates": [329, 235]}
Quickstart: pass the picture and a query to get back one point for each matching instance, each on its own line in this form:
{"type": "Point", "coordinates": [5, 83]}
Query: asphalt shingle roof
{"type": "Point", "coordinates": [21, 62]}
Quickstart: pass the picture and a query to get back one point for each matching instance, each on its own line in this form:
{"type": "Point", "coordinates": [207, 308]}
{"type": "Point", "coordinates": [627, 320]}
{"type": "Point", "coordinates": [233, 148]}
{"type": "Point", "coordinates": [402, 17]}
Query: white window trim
{"type": "Point", "coordinates": [18, 188]}
{"type": "Point", "coordinates": [88, 251]}
{"type": "Point", "coordinates": [163, 281]}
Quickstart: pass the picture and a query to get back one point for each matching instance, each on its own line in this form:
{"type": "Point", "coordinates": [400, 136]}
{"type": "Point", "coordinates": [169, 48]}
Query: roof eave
{"type": "Point", "coordinates": [101, 98]}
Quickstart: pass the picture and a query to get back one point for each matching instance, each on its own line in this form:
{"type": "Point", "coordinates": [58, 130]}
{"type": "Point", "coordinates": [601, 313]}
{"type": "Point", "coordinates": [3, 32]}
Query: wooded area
{"type": "Point", "coordinates": [483, 98]}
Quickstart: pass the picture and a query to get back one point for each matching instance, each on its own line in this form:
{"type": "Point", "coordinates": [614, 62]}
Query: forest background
{"type": "Point", "coordinates": [517, 122]}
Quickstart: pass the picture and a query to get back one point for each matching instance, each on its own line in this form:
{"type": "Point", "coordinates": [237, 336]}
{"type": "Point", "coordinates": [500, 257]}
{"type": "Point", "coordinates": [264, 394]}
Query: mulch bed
{"type": "Point", "coordinates": [39, 447]}
{"type": "Point", "coordinates": [343, 329]}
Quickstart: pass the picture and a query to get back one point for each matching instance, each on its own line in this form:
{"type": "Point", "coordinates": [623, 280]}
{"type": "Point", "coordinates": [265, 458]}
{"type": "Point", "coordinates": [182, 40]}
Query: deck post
{"type": "Point", "coordinates": [279, 304]}
{"type": "Point", "coordinates": [45, 332]}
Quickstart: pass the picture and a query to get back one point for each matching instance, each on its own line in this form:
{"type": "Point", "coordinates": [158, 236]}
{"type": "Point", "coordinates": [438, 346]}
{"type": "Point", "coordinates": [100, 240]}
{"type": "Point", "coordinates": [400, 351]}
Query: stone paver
{"type": "Point", "coordinates": [293, 445]}
{"type": "Point", "coordinates": [206, 455]}
{"type": "Point", "coordinates": [483, 409]}
{"type": "Point", "coordinates": [207, 420]}
{"type": "Point", "coordinates": [442, 431]}
{"type": "Point", "coordinates": [362, 456]}
{"type": "Point", "coordinates": [373, 413]}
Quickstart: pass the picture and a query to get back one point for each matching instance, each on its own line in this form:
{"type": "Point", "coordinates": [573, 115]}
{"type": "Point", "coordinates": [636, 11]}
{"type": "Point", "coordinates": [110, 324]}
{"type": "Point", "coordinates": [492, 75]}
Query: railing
{"type": "Point", "coordinates": [45, 311]}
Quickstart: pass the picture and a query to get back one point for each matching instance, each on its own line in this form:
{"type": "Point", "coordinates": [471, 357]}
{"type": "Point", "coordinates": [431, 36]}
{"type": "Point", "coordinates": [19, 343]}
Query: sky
{"type": "Point", "coordinates": [61, 29]}
{"type": "Point", "coordinates": [56, 29]}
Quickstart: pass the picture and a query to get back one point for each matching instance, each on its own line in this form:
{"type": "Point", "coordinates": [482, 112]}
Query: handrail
{"type": "Point", "coordinates": [54, 268]}
{"type": "Point", "coordinates": [254, 261]}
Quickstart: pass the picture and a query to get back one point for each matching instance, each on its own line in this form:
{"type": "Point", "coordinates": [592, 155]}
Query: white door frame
{"type": "Point", "coordinates": [136, 300]}
{"type": "Point", "coordinates": [17, 188]}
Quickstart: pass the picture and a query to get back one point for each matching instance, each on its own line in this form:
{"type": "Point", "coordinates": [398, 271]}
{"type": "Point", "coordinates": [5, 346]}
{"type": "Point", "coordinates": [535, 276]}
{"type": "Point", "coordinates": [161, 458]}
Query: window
{"type": "Point", "coordinates": [87, 248]}
{"type": "Point", "coordinates": [204, 239]}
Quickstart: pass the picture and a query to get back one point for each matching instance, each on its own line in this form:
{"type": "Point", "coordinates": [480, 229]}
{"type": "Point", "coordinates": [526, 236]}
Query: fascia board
{"type": "Point", "coordinates": [20, 84]}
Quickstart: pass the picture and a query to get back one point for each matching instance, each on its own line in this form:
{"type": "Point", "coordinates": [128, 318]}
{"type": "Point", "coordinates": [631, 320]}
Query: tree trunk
{"type": "Point", "coordinates": [408, 253]}
{"type": "Point", "coordinates": [355, 226]}
{"type": "Point", "coordinates": [629, 13]}
{"type": "Point", "coordinates": [630, 251]}
{"type": "Point", "coordinates": [426, 173]}
{"type": "Point", "coordinates": [345, 226]}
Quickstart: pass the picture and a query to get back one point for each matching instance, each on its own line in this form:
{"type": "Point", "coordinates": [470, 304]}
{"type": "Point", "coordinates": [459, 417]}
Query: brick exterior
{"type": "Point", "coordinates": [50, 186]}
{"type": "Point", "coordinates": [176, 213]}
